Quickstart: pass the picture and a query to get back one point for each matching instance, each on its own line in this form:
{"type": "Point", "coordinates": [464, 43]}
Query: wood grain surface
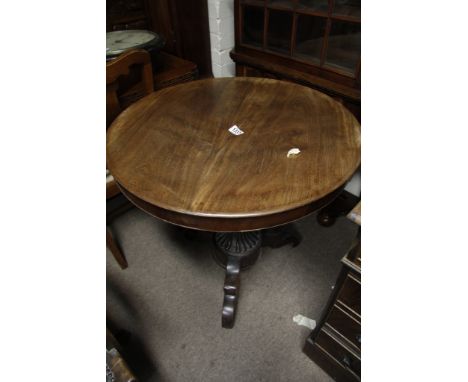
{"type": "Point", "coordinates": [173, 150]}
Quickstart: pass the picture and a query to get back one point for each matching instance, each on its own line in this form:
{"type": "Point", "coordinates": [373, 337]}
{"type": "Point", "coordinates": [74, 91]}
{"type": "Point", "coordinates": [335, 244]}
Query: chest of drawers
{"type": "Point", "coordinates": [335, 344]}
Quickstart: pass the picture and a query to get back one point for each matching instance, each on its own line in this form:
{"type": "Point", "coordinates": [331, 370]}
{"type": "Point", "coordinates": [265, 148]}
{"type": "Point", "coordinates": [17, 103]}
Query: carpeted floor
{"type": "Point", "coordinates": [170, 298]}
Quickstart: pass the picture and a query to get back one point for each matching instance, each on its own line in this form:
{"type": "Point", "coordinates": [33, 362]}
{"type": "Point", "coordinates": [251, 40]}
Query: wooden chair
{"type": "Point", "coordinates": [129, 77]}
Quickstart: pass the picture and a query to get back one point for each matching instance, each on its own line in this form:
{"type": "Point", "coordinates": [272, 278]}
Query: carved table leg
{"type": "Point", "coordinates": [231, 291]}
{"type": "Point", "coordinates": [239, 250]}
{"type": "Point", "coordinates": [235, 251]}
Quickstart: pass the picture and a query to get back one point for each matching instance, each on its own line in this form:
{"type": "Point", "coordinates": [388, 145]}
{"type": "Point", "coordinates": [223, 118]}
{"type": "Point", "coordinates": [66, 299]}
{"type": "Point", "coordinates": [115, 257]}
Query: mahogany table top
{"type": "Point", "coordinates": [174, 156]}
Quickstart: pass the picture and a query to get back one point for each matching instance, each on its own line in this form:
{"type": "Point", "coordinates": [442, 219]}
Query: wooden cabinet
{"type": "Point", "coordinates": [127, 14]}
{"type": "Point", "coordinates": [335, 344]}
{"type": "Point", "coordinates": [316, 43]}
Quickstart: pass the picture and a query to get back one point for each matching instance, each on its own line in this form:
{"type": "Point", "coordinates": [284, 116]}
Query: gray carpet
{"type": "Point", "coordinates": [170, 298]}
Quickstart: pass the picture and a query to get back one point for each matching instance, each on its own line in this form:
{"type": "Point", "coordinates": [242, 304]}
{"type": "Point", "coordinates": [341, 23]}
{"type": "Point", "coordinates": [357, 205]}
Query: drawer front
{"type": "Point", "coordinates": [342, 355]}
{"type": "Point", "coordinates": [354, 256]}
{"type": "Point", "coordinates": [350, 294]}
{"type": "Point", "coordinates": [344, 324]}
{"type": "Point", "coordinates": [357, 261]}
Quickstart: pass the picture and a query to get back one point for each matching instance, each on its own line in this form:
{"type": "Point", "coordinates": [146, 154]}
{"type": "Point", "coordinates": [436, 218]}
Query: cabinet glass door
{"type": "Point", "coordinates": [279, 31]}
{"type": "Point", "coordinates": [323, 33]}
{"type": "Point", "coordinates": [350, 8]}
{"type": "Point", "coordinates": [286, 4]}
{"type": "Point", "coordinates": [344, 46]}
{"type": "Point", "coordinates": [253, 26]}
{"type": "Point", "coordinates": [309, 37]}
{"type": "Point", "coordinates": [313, 5]}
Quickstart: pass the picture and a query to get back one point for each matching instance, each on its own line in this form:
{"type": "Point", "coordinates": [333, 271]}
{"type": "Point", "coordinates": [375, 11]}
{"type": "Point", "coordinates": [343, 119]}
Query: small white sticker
{"type": "Point", "coordinates": [235, 130]}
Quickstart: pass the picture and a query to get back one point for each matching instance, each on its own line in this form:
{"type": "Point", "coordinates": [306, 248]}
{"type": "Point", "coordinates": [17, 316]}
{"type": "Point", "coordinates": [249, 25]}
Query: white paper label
{"type": "Point", "coordinates": [304, 321]}
{"type": "Point", "coordinates": [235, 130]}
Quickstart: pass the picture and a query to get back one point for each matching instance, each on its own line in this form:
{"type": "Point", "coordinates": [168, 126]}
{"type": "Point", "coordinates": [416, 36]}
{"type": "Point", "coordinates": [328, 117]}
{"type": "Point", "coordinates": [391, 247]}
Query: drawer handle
{"type": "Point", "coordinates": [347, 361]}
{"type": "Point", "coordinates": [358, 338]}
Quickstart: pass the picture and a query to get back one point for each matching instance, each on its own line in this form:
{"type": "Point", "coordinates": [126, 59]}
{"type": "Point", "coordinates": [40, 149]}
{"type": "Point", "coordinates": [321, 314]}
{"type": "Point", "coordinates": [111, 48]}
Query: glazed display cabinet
{"type": "Point", "coordinates": [313, 42]}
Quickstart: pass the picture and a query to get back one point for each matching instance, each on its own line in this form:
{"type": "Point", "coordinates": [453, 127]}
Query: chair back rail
{"type": "Point", "coordinates": [129, 77]}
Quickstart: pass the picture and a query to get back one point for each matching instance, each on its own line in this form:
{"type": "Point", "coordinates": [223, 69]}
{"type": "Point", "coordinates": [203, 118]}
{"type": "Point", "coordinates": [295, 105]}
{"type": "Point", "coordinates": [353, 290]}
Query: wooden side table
{"type": "Point", "coordinates": [234, 156]}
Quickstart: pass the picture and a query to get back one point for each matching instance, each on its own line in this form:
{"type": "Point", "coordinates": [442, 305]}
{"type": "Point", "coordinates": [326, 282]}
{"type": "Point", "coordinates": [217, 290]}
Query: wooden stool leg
{"type": "Point", "coordinates": [115, 250]}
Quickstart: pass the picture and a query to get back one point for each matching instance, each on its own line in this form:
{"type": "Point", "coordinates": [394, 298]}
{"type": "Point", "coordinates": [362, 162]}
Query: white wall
{"type": "Point", "coordinates": [221, 17]}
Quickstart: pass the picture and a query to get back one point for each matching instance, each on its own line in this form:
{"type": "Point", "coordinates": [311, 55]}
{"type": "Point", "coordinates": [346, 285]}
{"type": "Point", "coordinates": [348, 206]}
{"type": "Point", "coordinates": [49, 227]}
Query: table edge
{"type": "Point", "coordinates": [232, 223]}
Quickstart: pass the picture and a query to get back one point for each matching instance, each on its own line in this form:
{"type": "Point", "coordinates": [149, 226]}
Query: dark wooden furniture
{"type": "Point", "coordinates": [117, 370]}
{"type": "Point", "coordinates": [174, 157]}
{"type": "Point", "coordinates": [183, 23]}
{"type": "Point", "coordinates": [138, 63]}
{"type": "Point", "coordinates": [121, 90]}
{"type": "Point", "coordinates": [172, 70]}
{"type": "Point", "coordinates": [312, 42]}
{"type": "Point", "coordinates": [127, 14]}
{"type": "Point", "coordinates": [169, 70]}
{"type": "Point", "coordinates": [115, 249]}
{"type": "Point", "coordinates": [335, 344]}
{"type": "Point", "coordinates": [129, 78]}
{"type": "Point", "coordinates": [118, 42]}
{"type": "Point", "coordinates": [341, 206]}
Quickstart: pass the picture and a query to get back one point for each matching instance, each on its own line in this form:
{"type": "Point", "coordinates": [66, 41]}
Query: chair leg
{"type": "Point", "coordinates": [115, 250]}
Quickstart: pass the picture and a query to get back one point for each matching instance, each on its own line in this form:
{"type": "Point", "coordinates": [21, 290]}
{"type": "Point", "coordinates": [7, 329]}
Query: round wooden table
{"type": "Point", "coordinates": [234, 156]}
